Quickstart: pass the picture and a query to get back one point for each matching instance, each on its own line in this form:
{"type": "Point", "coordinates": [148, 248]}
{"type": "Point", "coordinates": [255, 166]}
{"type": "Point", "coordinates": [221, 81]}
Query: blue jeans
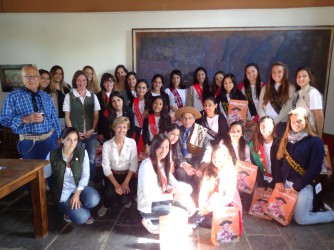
{"type": "Point", "coordinates": [304, 205]}
{"type": "Point", "coordinates": [162, 208]}
{"type": "Point", "coordinates": [90, 146]}
{"type": "Point", "coordinates": [38, 149]}
{"type": "Point", "coordinates": [89, 198]}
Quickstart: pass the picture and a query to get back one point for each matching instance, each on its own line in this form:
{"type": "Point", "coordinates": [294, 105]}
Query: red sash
{"type": "Point", "coordinates": [137, 112]}
{"type": "Point", "coordinates": [163, 179]}
{"type": "Point", "coordinates": [217, 92]}
{"type": "Point", "coordinates": [199, 91]}
{"type": "Point", "coordinates": [153, 125]}
{"type": "Point", "coordinates": [106, 111]}
{"type": "Point", "coordinates": [177, 98]}
{"type": "Point", "coordinates": [263, 160]}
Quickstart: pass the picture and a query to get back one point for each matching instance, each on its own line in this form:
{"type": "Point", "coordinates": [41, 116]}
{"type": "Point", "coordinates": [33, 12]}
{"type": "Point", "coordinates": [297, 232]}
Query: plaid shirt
{"type": "Point", "coordinates": [19, 103]}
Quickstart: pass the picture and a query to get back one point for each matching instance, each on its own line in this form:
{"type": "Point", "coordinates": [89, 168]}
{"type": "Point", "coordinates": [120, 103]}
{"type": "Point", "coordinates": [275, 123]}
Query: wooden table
{"type": "Point", "coordinates": [15, 173]}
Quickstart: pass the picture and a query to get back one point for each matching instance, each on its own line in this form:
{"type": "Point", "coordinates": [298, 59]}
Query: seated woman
{"type": "Point", "coordinates": [157, 185]}
{"type": "Point", "coordinates": [119, 163]}
{"type": "Point", "coordinates": [69, 167]}
{"type": "Point", "coordinates": [213, 120]}
{"type": "Point", "coordinates": [236, 143]}
{"type": "Point", "coordinates": [302, 152]}
{"type": "Point", "coordinates": [263, 148]}
{"type": "Point", "coordinates": [218, 187]}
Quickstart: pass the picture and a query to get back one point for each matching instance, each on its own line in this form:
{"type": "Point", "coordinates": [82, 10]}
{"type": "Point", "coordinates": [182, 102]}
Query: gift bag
{"type": "Point", "coordinates": [98, 155]}
{"type": "Point", "coordinates": [281, 205]}
{"type": "Point", "coordinates": [326, 165]}
{"type": "Point", "coordinates": [237, 111]}
{"type": "Point", "coordinates": [225, 226]}
{"type": "Point", "coordinates": [260, 202]}
{"type": "Point", "coordinates": [246, 176]}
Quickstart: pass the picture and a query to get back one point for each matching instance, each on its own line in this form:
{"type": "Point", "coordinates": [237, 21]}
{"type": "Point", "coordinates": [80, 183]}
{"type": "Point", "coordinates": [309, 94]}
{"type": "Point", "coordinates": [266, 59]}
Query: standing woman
{"type": "Point", "coordinates": [93, 83]}
{"type": "Point", "coordinates": [177, 91]}
{"type": "Point", "coordinates": [229, 91]}
{"type": "Point", "coordinates": [199, 90]}
{"type": "Point", "coordinates": [70, 175]}
{"type": "Point", "coordinates": [263, 148]}
{"type": "Point", "coordinates": [138, 109]}
{"type": "Point", "coordinates": [107, 86]}
{"type": "Point", "coordinates": [276, 97]}
{"type": "Point", "coordinates": [251, 88]}
{"type": "Point", "coordinates": [81, 109]}
{"type": "Point", "coordinates": [157, 185]}
{"type": "Point", "coordinates": [309, 98]}
{"type": "Point", "coordinates": [120, 73]}
{"type": "Point", "coordinates": [44, 80]}
{"type": "Point", "coordinates": [118, 108]}
{"type": "Point", "coordinates": [213, 120]}
{"type": "Point", "coordinates": [157, 89]}
{"type": "Point", "coordinates": [119, 163]}
{"type": "Point", "coordinates": [217, 83]}
{"type": "Point", "coordinates": [58, 90]}
{"type": "Point", "coordinates": [156, 121]}
{"type": "Point", "coordinates": [302, 152]}
{"type": "Point", "coordinates": [130, 86]}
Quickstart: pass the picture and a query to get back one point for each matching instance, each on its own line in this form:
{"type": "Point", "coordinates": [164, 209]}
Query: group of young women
{"type": "Point", "coordinates": [137, 123]}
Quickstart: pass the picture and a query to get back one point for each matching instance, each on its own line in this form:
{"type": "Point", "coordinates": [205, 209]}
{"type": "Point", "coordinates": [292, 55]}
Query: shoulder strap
{"type": "Point", "coordinates": [293, 164]}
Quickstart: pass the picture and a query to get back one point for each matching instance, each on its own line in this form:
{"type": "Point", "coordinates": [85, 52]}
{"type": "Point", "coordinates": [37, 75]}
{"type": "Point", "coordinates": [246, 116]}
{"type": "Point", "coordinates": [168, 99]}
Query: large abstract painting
{"type": "Point", "coordinates": [230, 49]}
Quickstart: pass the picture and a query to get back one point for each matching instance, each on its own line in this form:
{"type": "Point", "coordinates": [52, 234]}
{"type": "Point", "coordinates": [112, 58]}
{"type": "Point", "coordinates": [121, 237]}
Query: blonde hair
{"type": "Point", "coordinates": [308, 129]}
{"type": "Point", "coordinates": [121, 120]}
{"type": "Point", "coordinates": [94, 82]}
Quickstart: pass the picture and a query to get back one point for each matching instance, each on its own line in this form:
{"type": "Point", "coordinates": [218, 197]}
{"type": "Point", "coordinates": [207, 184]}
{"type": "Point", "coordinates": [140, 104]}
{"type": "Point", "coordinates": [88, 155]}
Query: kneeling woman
{"type": "Point", "coordinates": [119, 163]}
{"type": "Point", "coordinates": [218, 188]}
{"type": "Point", "coordinates": [70, 175]}
{"type": "Point", "coordinates": [302, 153]}
{"type": "Point", "coordinates": [157, 185]}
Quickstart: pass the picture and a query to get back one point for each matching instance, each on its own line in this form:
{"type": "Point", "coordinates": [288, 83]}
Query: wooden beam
{"type": "Point", "coordinates": [36, 6]}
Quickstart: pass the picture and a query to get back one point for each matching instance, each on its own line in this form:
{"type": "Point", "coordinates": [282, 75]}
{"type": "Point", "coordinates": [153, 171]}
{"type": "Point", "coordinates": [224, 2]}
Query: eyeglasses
{"type": "Point", "coordinates": [31, 77]}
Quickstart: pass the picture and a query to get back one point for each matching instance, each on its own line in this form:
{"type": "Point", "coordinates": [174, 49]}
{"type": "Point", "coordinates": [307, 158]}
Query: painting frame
{"type": "Point", "coordinates": [10, 77]}
{"type": "Point", "coordinates": [191, 34]}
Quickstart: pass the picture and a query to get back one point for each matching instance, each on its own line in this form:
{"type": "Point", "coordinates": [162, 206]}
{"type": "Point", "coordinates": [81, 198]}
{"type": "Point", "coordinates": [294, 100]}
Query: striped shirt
{"type": "Point", "coordinates": [19, 103]}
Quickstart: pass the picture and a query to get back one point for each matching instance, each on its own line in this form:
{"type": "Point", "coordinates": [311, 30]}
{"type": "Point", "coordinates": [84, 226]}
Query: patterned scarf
{"type": "Point", "coordinates": [294, 137]}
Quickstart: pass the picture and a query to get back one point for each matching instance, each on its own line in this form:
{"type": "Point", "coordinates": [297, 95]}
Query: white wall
{"type": "Point", "coordinates": [103, 40]}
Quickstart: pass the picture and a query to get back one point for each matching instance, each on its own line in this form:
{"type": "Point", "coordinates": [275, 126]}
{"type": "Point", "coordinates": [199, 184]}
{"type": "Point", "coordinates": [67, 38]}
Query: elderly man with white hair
{"type": "Point", "coordinates": [194, 145]}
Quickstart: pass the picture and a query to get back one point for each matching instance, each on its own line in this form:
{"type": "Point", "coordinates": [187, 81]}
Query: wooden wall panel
{"type": "Point", "coordinates": [18, 6]}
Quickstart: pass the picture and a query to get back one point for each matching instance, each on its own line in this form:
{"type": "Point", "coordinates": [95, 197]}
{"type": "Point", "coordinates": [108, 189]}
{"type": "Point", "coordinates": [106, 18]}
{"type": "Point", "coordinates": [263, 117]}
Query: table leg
{"type": "Point", "coordinates": [39, 205]}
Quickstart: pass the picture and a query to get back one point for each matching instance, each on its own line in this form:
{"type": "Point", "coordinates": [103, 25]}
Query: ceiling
{"type": "Point", "coordinates": [36, 6]}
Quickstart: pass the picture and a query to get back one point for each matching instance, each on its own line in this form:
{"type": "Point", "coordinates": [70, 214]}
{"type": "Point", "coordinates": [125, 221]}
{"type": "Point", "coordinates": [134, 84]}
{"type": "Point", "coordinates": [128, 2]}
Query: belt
{"type": "Point", "coordinates": [119, 172]}
{"type": "Point", "coordinates": [41, 137]}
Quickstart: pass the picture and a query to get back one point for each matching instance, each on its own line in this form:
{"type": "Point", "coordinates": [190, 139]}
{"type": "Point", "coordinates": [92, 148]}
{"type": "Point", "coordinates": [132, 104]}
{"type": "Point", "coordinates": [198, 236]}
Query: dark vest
{"type": "Point", "coordinates": [58, 166]}
{"type": "Point", "coordinates": [82, 116]}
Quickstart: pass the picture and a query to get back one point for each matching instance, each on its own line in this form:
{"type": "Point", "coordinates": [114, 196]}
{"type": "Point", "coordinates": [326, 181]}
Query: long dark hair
{"type": "Point", "coordinates": [258, 79]}
{"type": "Point", "coordinates": [234, 90]}
{"type": "Point", "coordinates": [206, 85]}
{"type": "Point", "coordinates": [242, 143]}
{"type": "Point", "coordinates": [173, 147]}
{"type": "Point", "coordinates": [155, 144]}
{"type": "Point", "coordinates": [257, 135]}
{"type": "Point", "coordinates": [164, 114]}
{"type": "Point", "coordinates": [214, 85]}
{"type": "Point", "coordinates": [178, 73]}
{"type": "Point", "coordinates": [283, 92]}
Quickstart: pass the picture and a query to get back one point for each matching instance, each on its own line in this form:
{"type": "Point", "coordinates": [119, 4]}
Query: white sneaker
{"type": "Point", "coordinates": [128, 205]}
{"type": "Point", "coordinates": [102, 211]}
{"type": "Point", "coordinates": [327, 207]}
{"type": "Point", "coordinates": [153, 229]}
